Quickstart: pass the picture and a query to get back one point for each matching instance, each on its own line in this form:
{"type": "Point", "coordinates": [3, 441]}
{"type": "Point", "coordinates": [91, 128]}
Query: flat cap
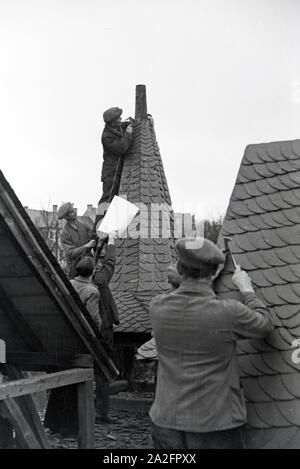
{"type": "Point", "coordinates": [196, 252]}
{"type": "Point", "coordinates": [111, 114]}
{"type": "Point", "coordinates": [64, 209]}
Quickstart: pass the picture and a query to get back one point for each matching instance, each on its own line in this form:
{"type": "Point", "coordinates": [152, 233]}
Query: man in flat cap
{"type": "Point", "coordinates": [116, 139]}
{"type": "Point", "coordinates": [199, 402]}
{"type": "Point", "coordinates": [75, 237]}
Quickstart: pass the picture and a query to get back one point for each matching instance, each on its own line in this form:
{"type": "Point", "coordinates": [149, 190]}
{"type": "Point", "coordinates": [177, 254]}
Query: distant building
{"type": "Point", "coordinates": [49, 226]}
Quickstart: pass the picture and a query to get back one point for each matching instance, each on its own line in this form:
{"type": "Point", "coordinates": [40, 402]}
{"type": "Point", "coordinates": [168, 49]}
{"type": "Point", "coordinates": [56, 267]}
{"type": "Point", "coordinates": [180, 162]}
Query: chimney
{"type": "Point", "coordinates": [140, 103]}
{"type": "Point", "coordinates": [89, 206]}
{"type": "Point", "coordinates": [54, 209]}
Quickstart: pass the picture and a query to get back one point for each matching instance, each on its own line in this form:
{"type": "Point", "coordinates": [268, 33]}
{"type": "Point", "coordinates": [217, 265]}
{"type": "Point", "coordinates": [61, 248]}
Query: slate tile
{"type": "Point", "coordinates": [272, 257]}
{"type": "Point", "coordinates": [259, 279]}
{"type": "Point", "coordinates": [286, 311]}
{"type": "Point", "coordinates": [295, 147]}
{"type": "Point", "coordinates": [286, 255]}
{"type": "Point", "coordinates": [290, 198]}
{"type": "Point", "coordinates": [274, 388]}
{"type": "Point", "coordinates": [277, 201]}
{"type": "Point", "coordinates": [254, 346]}
{"type": "Point", "coordinates": [261, 366]}
{"type": "Point", "coordinates": [261, 171]}
{"type": "Point", "coordinates": [290, 411]}
{"type": "Point", "coordinates": [248, 173]}
{"type": "Point", "coordinates": [252, 155]}
{"type": "Point", "coordinates": [274, 153]}
{"type": "Point", "coordinates": [254, 189]}
{"type": "Point", "coordinates": [240, 193]}
{"type": "Point", "coordinates": [292, 323]}
{"type": "Point", "coordinates": [276, 340]}
{"type": "Point", "coordinates": [263, 151]}
{"type": "Point", "coordinates": [263, 204]}
{"type": "Point", "coordinates": [254, 419]}
{"type": "Point", "coordinates": [290, 235]}
{"type": "Point", "coordinates": [287, 150]}
{"type": "Point", "coordinates": [253, 262]}
{"type": "Point", "coordinates": [273, 277]}
{"type": "Point", "coordinates": [276, 168]}
{"type": "Point", "coordinates": [287, 293]}
{"type": "Point", "coordinates": [295, 178]}
{"type": "Point", "coordinates": [264, 186]}
{"type": "Point", "coordinates": [292, 384]}
{"type": "Point", "coordinates": [247, 368]}
{"type": "Point", "coordinates": [272, 238]}
{"type": "Point", "coordinates": [266, 221]}
{"type": "Point", "coordinates": [287, 274]}
{"type": "Point", "coordinates": [295, 269]}
{"type": "Point", "coordinates": [254, 392]}
{"type": "Point", "coordinates": [270, 415]}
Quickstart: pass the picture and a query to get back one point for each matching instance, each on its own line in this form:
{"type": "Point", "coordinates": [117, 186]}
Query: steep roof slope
{"type": "Point", "coordinates": [143, 257]}
{"type": "Point", "coordinates": [263, 219]}
{"type": "Point", "coordinates": [39, 309]}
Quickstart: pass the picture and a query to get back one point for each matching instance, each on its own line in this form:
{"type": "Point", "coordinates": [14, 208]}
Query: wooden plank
{"type": "Point", "coordinates": [29, 410]}
{"type": "Point", "coordinates": [86, 415]}
{"type": "Point", "coordinates": [12, 265]}
{"type": "Point", "coordinates": [6, 433]}
{"type": "Point", "coordinates": [25, 361]}
{"type": "Point", "coordinates": [31, 250]}
{"type": "Point", "coordinates": [15, 416]}
{"type": "Point", "coordinates": [22, 286]}
{"type": "Point", "coordinates": [20, 324]}
{"type": "Point", "coordinates": [41, 383]}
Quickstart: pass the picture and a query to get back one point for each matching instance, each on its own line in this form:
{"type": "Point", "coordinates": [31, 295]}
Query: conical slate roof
{"type": "Point", "coordinates": [263, 219]}
{"type": "Point", "coordinates": [143, 257]}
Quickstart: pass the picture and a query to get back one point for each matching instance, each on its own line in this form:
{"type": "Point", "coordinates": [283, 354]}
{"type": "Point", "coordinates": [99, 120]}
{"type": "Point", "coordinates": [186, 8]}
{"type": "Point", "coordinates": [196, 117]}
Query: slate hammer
{"type": "Point", "coordinates": [227, 240]}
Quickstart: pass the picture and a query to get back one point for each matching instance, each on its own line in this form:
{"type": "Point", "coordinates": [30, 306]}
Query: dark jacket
{"type": "Point", "coordinates": [73, 240]}
{"type": "Point", "coordinates": [103, 273]}
{"type": "Point", "coordinates": [198, 384]}
{"type": "Point", "coordinates": [115, 144]}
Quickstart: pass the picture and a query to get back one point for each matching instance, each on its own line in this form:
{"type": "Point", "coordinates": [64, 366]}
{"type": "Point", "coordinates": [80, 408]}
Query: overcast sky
{"type": "Point", "coordinates": [219, 75]}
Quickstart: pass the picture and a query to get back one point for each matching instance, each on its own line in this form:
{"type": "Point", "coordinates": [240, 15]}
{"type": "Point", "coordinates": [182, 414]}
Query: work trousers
{"type": "Point", "coordinates": [110, 188]}
{"type": "Point", "coordinates": [102, 386]}
{"type": "Point", "coordinates": [102, 396]}
{"type": "Point", "coordinates": [166, 438]}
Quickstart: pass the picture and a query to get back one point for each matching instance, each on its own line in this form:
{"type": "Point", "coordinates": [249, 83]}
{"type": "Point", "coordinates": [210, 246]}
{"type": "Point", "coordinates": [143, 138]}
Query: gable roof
{"type": "Point", "coordinates": [141, 268]}
{"type": "Point", "coordinates": [263, 219]}
{"type": "Point", "coordinates": [39, 309]}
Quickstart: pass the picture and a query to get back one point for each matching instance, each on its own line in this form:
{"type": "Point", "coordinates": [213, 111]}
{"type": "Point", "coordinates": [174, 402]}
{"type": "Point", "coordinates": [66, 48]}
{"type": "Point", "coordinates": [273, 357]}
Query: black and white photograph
{"type": "Point", "coordinates": [149, 227]}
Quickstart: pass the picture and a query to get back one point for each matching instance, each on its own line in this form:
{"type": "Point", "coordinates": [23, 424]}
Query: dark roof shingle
{"type": "Point", "coordinates": [263, 219]}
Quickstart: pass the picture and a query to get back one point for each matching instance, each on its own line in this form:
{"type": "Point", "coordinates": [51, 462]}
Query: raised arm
{"type": "Point", "coordinates": [251, 319]}
{"type": "Point", "coordinates": [116, 145]}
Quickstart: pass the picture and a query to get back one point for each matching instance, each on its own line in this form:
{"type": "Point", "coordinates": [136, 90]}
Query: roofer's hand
{"type": "Point", "coordinates": [129, 129]}
{"type": "Point", "coordinates": [242, 280]}
{"type": "Point", "coordinates": [90, 244]}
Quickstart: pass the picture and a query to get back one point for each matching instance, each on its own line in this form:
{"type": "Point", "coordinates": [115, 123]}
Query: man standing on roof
{"type": "Point", "coordinates": [199, 402]}
{"type": "Point", "coordinates": [116, 139]}
{"type": "Point", "coordinates": [108, 310]}
{"type": "Point", "coordinates": [75, 237]}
